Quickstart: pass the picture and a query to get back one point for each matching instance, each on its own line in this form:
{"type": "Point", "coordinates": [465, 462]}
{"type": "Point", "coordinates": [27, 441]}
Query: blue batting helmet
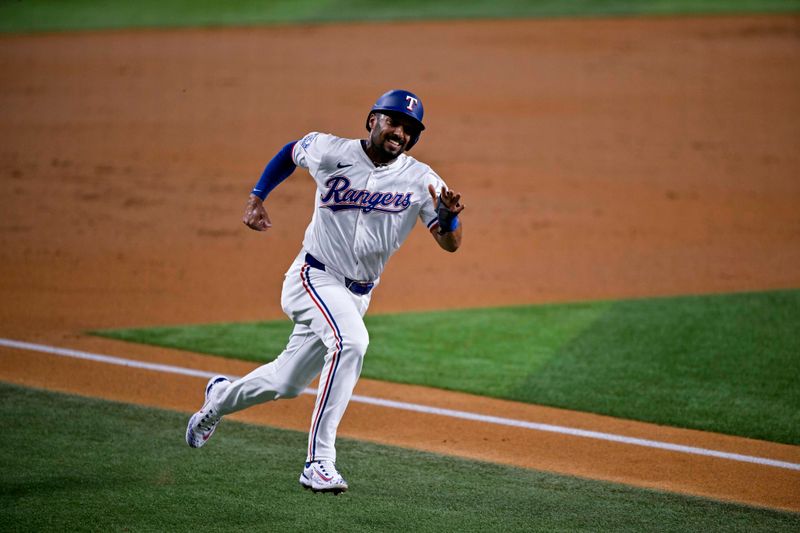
{"type": "Point", "coordinates": [400, 101]}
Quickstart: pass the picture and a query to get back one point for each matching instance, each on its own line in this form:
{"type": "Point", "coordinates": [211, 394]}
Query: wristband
{"type": "Point", "coordinates": [448, 221]}
{"type": "Point", "coordinates": [453, 224]}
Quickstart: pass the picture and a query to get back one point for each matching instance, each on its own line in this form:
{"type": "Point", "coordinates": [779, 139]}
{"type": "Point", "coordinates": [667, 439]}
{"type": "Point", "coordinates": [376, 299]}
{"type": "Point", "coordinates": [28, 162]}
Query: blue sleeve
{"type": "Point", "coordinates": [278, 169]}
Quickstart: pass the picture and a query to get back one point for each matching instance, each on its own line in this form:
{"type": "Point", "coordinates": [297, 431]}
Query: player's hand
{"type": "Point", "coordinates": [255, 215]}
{"type": "Point", "coordinates": [450, 199]}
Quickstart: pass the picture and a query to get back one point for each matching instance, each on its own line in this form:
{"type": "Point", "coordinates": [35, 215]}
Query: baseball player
{"type": "Point", "coordinates": [369, 196]}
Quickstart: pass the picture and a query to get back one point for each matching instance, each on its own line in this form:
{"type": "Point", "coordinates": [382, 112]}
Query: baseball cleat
{"type": "Point", "coordinates": [204, 422]}
{"type": "Point", "coordinates": [322, 476]}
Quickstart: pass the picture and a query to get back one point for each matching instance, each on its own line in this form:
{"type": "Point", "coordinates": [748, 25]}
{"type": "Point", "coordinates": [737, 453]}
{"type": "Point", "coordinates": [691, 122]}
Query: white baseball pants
{"type": "Point", "coordinates": [329, 339]}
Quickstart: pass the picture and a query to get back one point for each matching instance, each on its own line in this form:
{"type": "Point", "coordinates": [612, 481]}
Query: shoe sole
{"type": "Point", "coordinates": [190, 434]}
{"type": "Point", "coordinates": [333, 490]}
{"type": "Point", "coordinates": [190, 441]}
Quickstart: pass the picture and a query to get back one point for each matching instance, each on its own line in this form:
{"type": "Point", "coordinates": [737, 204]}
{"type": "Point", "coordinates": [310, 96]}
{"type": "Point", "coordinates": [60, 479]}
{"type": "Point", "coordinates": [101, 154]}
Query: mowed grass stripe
{"type": "Point", "coordinates": [724, 363]}
{"type": "Point", "coordinates": [57, 15]}
{"type": "Point", "coordinates": [79, 464]}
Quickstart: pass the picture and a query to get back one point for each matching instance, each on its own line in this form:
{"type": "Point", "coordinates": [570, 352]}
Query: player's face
{"type": "Point", "coordinates": [391, 133]}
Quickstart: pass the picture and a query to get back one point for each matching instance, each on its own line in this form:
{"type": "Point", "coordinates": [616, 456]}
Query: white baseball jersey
{"type": "Point", "coordinates": [362, 213]}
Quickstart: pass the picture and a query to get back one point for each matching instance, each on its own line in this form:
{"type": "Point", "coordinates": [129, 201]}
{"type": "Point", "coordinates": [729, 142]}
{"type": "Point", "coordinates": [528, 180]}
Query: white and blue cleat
{"type": "Point", "coordinates": [204, 422]}
{"type": "Point", "coordinates": [322, 476]}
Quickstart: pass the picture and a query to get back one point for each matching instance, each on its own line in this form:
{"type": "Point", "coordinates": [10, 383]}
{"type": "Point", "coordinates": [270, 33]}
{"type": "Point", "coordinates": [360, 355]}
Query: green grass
{"type": "Point", "coordinates": [57, 15]}
{"type": "Point", "coordinates": [78, 464]}
{"type": "Point", "coordinates": [725, 363]}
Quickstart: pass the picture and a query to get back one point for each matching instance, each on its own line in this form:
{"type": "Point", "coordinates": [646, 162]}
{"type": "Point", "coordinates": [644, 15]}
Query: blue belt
{"type": "Point", "coordinates": [356, 287]}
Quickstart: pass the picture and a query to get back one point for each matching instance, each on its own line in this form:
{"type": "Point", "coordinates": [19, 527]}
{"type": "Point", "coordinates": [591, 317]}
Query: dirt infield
{"type": "Point", "coordinates": [597, 158]}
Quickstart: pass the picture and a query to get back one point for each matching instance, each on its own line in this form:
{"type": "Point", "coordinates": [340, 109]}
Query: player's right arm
{"type": "Point", "coordinates": [306, 153]}
{"type": "Point", "coordinates": [278, 169]}
{"type": "Point", "coordinates": [255, 214]}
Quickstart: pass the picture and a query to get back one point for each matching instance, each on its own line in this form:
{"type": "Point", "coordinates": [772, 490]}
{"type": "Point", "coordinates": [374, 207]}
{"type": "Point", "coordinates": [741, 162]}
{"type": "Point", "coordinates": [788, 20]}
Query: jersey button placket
{"type": "Point", "coordinates": [359, 237]}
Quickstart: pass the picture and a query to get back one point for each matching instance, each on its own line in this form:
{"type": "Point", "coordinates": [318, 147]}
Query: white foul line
{"type": "Point", "coordinates": [419, 408]}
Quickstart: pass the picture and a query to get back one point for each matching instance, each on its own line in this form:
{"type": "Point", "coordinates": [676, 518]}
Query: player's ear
{"type": "Point", "coordinates": [371, 119]}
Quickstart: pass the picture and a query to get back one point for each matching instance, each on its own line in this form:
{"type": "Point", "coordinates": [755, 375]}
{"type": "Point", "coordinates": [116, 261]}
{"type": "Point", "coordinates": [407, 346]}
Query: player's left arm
{"type": "Point", "coordinates": [449, 229]}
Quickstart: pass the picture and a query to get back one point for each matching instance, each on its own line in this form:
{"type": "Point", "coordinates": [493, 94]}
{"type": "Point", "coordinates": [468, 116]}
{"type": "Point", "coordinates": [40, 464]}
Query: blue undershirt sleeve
{"type": "Point", "coordinates": [278, 169]}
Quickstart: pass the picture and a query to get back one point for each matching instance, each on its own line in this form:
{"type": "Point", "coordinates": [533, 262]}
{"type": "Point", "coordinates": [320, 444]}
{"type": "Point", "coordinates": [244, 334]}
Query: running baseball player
{"type": "Point", "coordinates": [369, 196]}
